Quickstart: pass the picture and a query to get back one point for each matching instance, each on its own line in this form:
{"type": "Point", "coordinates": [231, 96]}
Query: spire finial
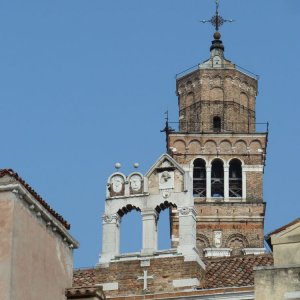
{"type": "Point", "coordinates": [217, 21]}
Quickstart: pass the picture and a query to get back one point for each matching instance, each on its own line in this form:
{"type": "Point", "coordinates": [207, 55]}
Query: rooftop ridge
{"type": "Point", "coordinates": [15, 175]}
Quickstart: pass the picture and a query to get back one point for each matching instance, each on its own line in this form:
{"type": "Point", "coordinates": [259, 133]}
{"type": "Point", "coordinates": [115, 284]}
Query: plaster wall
{"type": "Point", "coordinates": [6, 228]}
{"type": "Point", "coordinates": [286, 247]}
{"type": "Point", "coordinates": [37, 263]}
{"type": "Point", "coordinates": [286, 254]}
{"type": "Point", "coordinates": [277, 283]}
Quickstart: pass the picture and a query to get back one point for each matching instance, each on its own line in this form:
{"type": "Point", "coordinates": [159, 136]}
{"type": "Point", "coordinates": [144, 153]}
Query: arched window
{"type": "Point", "coordinates": [199, 178]}
{"type": "Point", "coordinates": [190, 99]}
{"type": "Point", "coordinates": [131, 218]}
{"type": "Point", "coordinates": [164, 229]}
{"type": "Point", "coordinates": [217, 124]}
{"type": "Point", "coordinates": [235, 178]}
{"type": "Point", "coordinates": [217, 178]}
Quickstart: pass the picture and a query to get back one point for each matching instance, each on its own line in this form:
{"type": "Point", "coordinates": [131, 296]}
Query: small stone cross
{"type": "Point", "coordinates": [145, 278]}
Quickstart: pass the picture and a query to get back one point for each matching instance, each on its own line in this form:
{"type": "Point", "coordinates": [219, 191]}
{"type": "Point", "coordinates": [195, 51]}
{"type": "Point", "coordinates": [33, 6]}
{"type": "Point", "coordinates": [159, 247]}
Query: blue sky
{"type": "Point", "coordinates": [84, 84]}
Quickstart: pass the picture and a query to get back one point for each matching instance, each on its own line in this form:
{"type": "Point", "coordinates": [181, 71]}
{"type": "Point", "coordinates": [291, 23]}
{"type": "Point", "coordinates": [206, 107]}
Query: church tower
{"type": "Point", "coordinates": [218, 144]}
{"type": "Point", "coordinates": [210, 180]}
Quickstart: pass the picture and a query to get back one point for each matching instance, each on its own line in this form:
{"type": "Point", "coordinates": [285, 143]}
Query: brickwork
{"type": "Point", "coordinates": [223, 276]}
{"type": "Point", "coordinates": [230, 96]}
{"type": "Point", "coordinates": [254, 186]}
{"type": "Point", "coordinates": [227, 93]}
{"type": "Point", "coordinates": [241, 224]}
{"type": "Point", "coordinates": [249, 148]}
{"type": "Point", "coordinates": [163, 270]}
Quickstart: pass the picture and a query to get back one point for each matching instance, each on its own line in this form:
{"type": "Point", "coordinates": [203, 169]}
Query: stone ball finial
{"type": "Point", "coordinates": [217, 35]}
{"type": "Point", "coordinates": [117, 166]}
{"type": "Point", "coordinates": [136, 165]}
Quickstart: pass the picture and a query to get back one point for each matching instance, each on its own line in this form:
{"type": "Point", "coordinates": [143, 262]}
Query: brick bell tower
{"type": "Point", "coordinates": [218, 144]}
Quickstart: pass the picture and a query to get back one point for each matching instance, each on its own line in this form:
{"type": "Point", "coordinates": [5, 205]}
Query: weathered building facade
{"type": "Point", "coordinates": [36, 249]}
{"type": "Point", "coordinates": [281, 281]}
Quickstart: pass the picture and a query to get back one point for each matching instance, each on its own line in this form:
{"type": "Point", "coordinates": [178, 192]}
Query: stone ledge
{"type": "Point", "coordinates": [276, 267]}
{"type": "Point", "coordinates": [188, 282]}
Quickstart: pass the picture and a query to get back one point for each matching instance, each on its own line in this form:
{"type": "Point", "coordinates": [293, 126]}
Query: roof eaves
{"type": "Point", "coordinates": [15, 175]}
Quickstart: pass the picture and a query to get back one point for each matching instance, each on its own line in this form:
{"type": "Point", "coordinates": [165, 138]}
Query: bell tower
{"type": "Point", "coordinates": [218, 144]}
{"type": "Point", "coordinates": [219, 97]}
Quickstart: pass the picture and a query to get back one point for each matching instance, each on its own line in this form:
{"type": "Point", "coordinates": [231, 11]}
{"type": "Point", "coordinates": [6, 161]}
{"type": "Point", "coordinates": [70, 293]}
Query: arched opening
{"type": "Point", "coordinates": [237, 243]}
{"type": "Point", "coordinates": [163, 225]}
{"type": "Point", "coordinates": [217, 178]}
{"type": "Point", "coordinates": [216, 94]}
{"type": "Point", "coordinates": [202, 243]}
{"type": "Point", "coordinates": [235, 178]}
{"type": "Point", "coordinates": [217, 124]}
{"type": "Point", "coordinates": [190, 99]}
{"type": "Point", "coordinates": [199, 178]}
{"type": "Point", "coordinates": [130, 229]}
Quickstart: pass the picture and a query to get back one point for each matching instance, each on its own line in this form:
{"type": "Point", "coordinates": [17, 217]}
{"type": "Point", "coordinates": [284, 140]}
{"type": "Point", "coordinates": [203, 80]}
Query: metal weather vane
{"type": "Point", "coordinates": [217, 21]}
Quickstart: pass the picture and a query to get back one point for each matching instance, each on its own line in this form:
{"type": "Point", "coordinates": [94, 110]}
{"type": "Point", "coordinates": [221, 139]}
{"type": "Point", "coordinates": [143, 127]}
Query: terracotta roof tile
{"type": "Point", "coordinates": [85, 277]}
{"type": "Point", "coordinates": [15, 175]}
{"type": "Point", "coordinates": [233, 271]}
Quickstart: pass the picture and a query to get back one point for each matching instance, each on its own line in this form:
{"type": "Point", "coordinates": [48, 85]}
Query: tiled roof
{"type": "Point", "coordinates": [220, 272]}
{"type": "Point", "coordinates": [83, 277]}
{"type": "Point", "coordinates": [13, 174]}
{"type": "Point", "coordinates": [233, 271]}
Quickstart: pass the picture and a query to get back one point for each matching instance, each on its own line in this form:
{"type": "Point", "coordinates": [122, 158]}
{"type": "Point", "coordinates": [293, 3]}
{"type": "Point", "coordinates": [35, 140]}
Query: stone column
{"type": "Point", "coordinates": [208, 182]}
{"type": "Point", "coordinates": [149, 219]}
{"type": "Point", "coordinates": [187, 235]}
{"type": "Point", "coordinates": [110, 238]}
{"type": "Point", "coordinates": [244, 184]}
{"type": "Point", "coordinates": [187, 229]}
{"type": "Point", "coordinates": [226, 182]}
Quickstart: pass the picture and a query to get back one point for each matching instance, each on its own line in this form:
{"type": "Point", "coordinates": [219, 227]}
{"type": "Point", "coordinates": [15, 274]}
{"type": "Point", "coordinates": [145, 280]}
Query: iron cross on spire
{"type": "Point", "coordinates": [217, 21]}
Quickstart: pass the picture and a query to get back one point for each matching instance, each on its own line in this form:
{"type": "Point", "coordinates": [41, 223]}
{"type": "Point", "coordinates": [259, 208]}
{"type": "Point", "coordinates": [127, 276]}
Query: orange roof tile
{"type": "Point", "coordinates": [15, 175]}
{"type": "Point", "coordinates": [233, 271]}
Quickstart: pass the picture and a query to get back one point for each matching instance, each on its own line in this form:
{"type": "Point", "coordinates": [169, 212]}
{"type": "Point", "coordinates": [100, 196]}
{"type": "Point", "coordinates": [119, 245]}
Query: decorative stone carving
{"type": "Point", "coordinates": [166, 164]}
{"type": "Point", "coordinates": [218, 239]}
{"type": "Point", "coordinates": [237, 242]}
{"type": "Point", "coordinates": [117, 184]}
{"type": "Point", "coordinates": [220, 252]}
{"type": "Point", "coordinates": [110, 218]}
{"type": "Point", "coordinates": [166, 194]}
{"type": "Point", "coordinates": [185, 211]}
{"type": "Point", "coordinates": [136, 184]}
{"type": "Point", "coordinates": [166, 180]}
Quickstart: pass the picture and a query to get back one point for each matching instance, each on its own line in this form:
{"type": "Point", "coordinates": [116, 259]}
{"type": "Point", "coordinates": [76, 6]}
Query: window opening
{"type": "Point", "coordinates": [235, 178]}
{"type": "Point", "coordinates": [217, 124]}
{"type": "Point", "coordinates": [131, 231]}
{"type": "Point", "coordinates": [199, 178]}
{"type": "Point", "coordinates": [164, 230]}
{"type": "Point", "coordinates": [217, 178]}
